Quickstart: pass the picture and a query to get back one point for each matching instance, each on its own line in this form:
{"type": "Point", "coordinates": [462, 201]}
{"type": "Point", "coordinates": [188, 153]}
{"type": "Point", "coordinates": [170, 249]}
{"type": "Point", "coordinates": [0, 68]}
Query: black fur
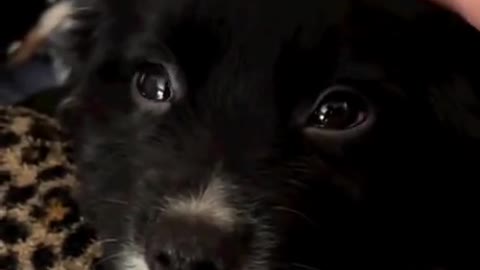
{"type": "Point", "coordinates": [400, 197]}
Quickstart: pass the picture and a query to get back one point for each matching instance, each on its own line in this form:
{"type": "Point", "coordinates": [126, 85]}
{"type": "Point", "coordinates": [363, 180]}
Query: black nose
{"type": "Point", "coordinates": [187, 245]}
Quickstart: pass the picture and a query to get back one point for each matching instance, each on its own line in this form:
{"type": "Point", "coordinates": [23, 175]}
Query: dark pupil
{"type": "Point", "coordinates": [154, 84]}
{"type": "Point", "coordinates": [337, 113]}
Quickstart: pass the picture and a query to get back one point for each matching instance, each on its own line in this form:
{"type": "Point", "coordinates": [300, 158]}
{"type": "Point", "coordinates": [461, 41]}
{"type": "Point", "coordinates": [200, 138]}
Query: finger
{"type": "Point", "coordinates": [468, 9]}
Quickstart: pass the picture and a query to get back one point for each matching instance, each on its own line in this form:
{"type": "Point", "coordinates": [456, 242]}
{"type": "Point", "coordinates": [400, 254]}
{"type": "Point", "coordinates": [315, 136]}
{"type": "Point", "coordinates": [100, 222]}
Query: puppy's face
{"type": "Point", "coordinates": [272, 134]}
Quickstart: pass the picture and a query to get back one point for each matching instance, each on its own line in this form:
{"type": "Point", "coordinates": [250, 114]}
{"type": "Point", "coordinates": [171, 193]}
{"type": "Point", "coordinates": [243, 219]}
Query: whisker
{"type": "Point", "coordinates": [296, 212]}
{"type": "Point", "coordinates": [304, 266]}
{"type": "Point", "coordinates": [107, 240]}
{"type": "Point", "coordinates": [109, 258]}
{"type": "Point", "coordinates": [114, 201]}
{"type": "Point", "coordinates": [296, 183]}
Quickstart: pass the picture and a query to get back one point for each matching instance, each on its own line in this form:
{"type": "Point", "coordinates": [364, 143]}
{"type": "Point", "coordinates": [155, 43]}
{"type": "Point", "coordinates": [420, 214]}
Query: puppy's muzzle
{"type": "Point", "coordinates": [183, 244]}
{"type": "Point", "coordinates": [199, 232]}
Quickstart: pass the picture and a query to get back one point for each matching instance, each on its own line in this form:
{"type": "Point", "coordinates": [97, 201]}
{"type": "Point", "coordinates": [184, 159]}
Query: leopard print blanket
{"type": "Point", "coordinates": [40, 224]}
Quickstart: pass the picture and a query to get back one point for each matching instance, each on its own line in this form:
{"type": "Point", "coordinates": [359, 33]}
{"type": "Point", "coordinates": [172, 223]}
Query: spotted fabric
{"type": "Point", "coordinates": [40, 224]}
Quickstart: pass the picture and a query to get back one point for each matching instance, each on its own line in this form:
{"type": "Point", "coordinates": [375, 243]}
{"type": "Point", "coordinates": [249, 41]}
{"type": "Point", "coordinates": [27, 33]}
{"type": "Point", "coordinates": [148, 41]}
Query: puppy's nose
{"type": "Point", "coordinates": [186, 245]}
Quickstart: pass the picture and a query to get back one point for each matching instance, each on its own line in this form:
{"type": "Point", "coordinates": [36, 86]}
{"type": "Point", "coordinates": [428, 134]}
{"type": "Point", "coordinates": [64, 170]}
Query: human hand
{"type": "Point", "coordinates": [468, 9]}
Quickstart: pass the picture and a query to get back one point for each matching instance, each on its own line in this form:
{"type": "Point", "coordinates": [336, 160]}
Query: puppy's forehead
{"type": "Point", "coordinates": [202, 23]}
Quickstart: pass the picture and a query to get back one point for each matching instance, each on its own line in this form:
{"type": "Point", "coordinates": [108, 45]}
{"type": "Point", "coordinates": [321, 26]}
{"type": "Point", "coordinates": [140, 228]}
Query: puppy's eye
{"type": "Point", "coordinates": [153, 82]}
{"type": "Point", "coordinates": [339, 108]}
{"type": "Point", "coordinates": [341, 115]}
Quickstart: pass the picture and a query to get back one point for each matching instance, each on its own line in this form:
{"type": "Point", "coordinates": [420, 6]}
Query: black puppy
{"type": "Point", "coordinates": [274, 134]}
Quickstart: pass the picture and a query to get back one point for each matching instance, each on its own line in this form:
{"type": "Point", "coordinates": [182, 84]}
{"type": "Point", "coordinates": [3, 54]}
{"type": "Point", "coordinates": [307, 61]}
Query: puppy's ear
{"type": "Point", "coordinates": [456, 102]}
{"type": "Point", "coordinates": [443, 55]}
